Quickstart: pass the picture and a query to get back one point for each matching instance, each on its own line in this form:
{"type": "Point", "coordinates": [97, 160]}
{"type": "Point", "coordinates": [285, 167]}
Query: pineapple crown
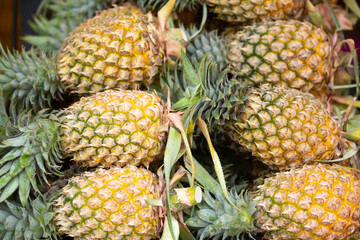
{"type": "Point", "coordinates": [29, 153]}
{"type": "Point", "coordinates": [72, 8]}
{"type": "Point", "coordinates": [32, 221]}
{"type": "Point", "coordinates": [209, 94]}
{"type": "Point", "coordinates": [29, 79]}
{"type": "Point", "coordinates": [66, 16]}
{"type": "Point", "coordinates": [210, 43]}
{"type": "Point", "coordinates": [51, 33]}
{"type": "Point", "coordinates": [215, 216]}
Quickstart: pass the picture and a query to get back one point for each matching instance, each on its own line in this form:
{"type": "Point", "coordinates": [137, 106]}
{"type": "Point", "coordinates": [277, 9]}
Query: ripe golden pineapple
{"type": "Point", "coordinates": [315, 202]}
{"type": "Point", "coordinates": [119, 48]}
{"type": "Point", "coordinates": [283, 127]}
{"type": "Point", "coordinates": [115, 127]}
{"type": "Point", "coordinates": [256, 10]}
{"type": "Point", "coordinates": [109, 204]}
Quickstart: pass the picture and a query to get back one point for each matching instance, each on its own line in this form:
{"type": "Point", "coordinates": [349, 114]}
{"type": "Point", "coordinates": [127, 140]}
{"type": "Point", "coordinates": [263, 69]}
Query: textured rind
{"type": "Point", "coordinates": [109, 204]}
{"type": "Point", "coordinates": [118, 48]}
{"type": "Point", "coordinates": [282, 53]}
{"type": "Point", "coordinates": [255, 10]}
{"type": "Point", "coordinates": [286, 128]}
{"type": "Point", "coordinates": [316, 202]}
{"type": "Point", "coordinates": [115, 127]}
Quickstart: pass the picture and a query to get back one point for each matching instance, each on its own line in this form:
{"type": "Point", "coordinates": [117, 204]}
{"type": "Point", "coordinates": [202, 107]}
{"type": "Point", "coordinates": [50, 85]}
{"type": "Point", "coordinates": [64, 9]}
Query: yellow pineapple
{"type": "Point", "coordinates": [109, 204]}
{"type": "Point", "coordinates": [119, 48]}
{"type": "Point", "coordinates": [114, 203]}
{"type": "Point", "coordinates": [315, 202]}
{"type": "Point", "coordinates": [115, 127]}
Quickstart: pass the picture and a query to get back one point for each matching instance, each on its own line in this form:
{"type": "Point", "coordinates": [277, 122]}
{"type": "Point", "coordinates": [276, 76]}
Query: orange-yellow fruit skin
{"type": "Point", "coordinates": [115, 127]}
{"type": "Point", "coordinates": [109, 204]}
{"type": "Point", "coordinates": [118, 48]}
{"type": "Point", "coordinates": [315, 202]}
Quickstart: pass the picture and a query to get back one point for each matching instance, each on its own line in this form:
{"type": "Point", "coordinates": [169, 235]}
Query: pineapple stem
{"type": "Point", "coordinates": [185, 198]}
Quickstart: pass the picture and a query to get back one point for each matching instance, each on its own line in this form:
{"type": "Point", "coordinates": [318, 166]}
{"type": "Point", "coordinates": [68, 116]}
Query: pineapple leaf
{"type": "Point", "coordinates": [13, 154]}
{"type": "Point", "coordinates": [185, 234]}
{"type": "Point", "coordinates": [189, 70]}
{"type": "Point", "coordinates": [15, 210]}
{"type": "Point", "coordinates": [9, 189]}
{"type": "Point", "coordinates": [24, 188]}
{"type": "Point", "coordinates": [171, 232]}
{"type": "Point", "coordinates": [170, 158]}
{"type": "Point", "coordinates": [353, 6]}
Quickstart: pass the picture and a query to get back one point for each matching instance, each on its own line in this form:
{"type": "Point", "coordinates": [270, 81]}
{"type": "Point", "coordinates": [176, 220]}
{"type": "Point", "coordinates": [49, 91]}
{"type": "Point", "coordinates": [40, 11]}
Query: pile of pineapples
{"type": "Point", "coordinates": [187, 119]}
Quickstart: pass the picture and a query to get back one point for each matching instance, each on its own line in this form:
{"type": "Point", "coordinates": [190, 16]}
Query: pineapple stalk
{"type": "Point", "coordinates": [185, 198]}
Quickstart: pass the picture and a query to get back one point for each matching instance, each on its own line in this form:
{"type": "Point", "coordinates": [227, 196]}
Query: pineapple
{"type": "Point", "coordinates": [283, 53]}
{"type": "Point", "coordinates": [283, 128]}
{"type": "Point", "coordinates": [314, 202]}
{"type": "Point", "coordinates": [109, 204]}
{"type": "Point", "coordinates": [115, 127]}
{"type": "Point", "coordinates": [288, 53]}
{"type": "Point", "coordinates": [115, 204]}
{"type": "Point", "coordinates": [327, 201]}
{"type": "Point", "coordinates": [119, 48]}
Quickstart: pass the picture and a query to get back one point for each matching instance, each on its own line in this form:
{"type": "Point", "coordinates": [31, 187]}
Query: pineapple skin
{"type": "Point", "coordinates": [115, 127]}
{"type": "Point", "coordinates": [255, 10]}
{"type": "Point", "coordinates": [286, 128]}
{"type": "Point", "coordinates": [315, 202]}
{"type": "Point", "coordinates": [118, 48]}
{"type": "Point", "coordinates": [282, 53]}
{"type": "Point", "coordinates": [109, 204]}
